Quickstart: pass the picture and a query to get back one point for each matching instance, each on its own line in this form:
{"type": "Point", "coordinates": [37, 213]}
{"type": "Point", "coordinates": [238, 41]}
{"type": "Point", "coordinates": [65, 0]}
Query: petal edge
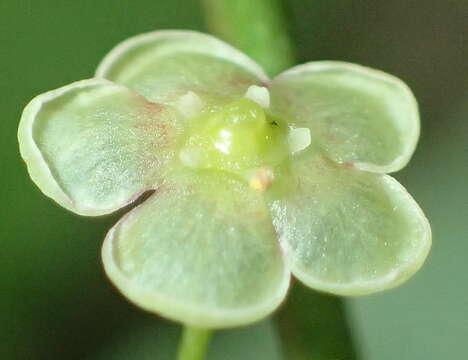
{"type": "Point", "coordinates": [153, 51]}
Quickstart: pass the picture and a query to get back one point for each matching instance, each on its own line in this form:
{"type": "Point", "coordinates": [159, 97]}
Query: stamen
{"type": "Point", "coordinates": [299, 139]}
{"type": "Point", "coordinates": [189, 105]}
{"type": "Point", "coordinates": [259, 94]}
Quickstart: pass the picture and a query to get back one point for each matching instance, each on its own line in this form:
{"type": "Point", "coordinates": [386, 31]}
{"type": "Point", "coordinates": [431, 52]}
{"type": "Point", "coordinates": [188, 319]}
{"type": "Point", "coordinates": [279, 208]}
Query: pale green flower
{"type": "Point", "coordinates": [253, 179]}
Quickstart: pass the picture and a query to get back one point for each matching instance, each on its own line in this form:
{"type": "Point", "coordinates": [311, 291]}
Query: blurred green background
{"type": "Point", "coordinates": [55, 302]}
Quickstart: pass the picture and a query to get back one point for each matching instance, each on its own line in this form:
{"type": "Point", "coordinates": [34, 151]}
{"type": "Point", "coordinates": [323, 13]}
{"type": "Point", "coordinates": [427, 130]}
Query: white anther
{"type": "Point", "coordinates": [299, 139]}
{"type": "Point", "coordinates": [259, 94]}
{"type": "Point", "coordinates": [190, 104]}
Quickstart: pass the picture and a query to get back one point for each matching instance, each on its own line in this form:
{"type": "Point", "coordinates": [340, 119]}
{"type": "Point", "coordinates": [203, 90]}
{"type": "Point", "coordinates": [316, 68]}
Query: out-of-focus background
{"type": "Point", "coordinates": [55, 302]}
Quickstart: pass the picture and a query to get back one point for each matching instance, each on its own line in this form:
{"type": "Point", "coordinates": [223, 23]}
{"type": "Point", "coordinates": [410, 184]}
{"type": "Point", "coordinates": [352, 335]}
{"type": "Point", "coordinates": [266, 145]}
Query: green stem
{"type": "Point", "coordinates": [194, 343]}
{"type": "Point", "coordinates": [257, 27]}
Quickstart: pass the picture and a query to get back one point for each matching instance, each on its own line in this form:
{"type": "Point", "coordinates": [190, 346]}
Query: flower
{"type": "Point", "coordinates": [253, 180]}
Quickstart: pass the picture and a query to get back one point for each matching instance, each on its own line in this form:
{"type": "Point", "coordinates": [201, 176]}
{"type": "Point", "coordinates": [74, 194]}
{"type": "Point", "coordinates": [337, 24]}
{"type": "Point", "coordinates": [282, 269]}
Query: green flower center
{"type": "Point", "coordinates": [240, 138]}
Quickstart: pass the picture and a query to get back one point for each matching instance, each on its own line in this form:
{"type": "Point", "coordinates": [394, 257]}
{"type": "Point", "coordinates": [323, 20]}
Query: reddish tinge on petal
{"type": "Point", "coordinates": [94, 146]}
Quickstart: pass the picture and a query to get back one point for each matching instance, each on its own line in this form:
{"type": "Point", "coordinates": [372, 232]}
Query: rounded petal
{"type": "Point", "coordinates": [346, 231]}
{"type": "Point", "coordinates": [164, 65]}
{"type": "Point", "coordinates": [358, 115]}
{"type": "Point", "coordinates": [202, 251]}
{"type": "Point", "coordinates": [94, 146]}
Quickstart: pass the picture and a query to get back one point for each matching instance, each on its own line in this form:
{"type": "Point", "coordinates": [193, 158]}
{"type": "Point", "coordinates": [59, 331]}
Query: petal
{"type": "Point", "coordinates": [94, 146]}
{"type": "Point", "coordinates": [356, 114]}
{"type": "Point", "coordinates": [203, 252]}
{"type": "Point", "coordinates": [346, 231]}
{"type": "Point", "coordinates": [164, 65]}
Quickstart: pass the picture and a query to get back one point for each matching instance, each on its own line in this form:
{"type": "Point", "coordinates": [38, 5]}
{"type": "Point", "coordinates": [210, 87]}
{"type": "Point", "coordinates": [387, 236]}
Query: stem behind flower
{"type": "Point", "coordinates": [256, 27]}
